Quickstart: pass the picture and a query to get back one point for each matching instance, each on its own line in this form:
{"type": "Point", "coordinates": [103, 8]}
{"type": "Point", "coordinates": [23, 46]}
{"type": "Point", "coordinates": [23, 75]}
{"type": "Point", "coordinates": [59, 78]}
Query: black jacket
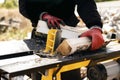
{"type": "Point", "coordinates": [87, 10]}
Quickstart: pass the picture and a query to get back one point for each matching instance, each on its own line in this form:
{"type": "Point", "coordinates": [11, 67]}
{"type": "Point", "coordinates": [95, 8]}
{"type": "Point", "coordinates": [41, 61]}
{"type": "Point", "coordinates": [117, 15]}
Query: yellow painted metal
{"type": "Point", "coordinates": [74, 66]}
{"type": "Point", "coordinates": [64, 69]}
{"type": "Point", "coordinates": [49, 75]}
{"type": "Point", "coordinates": [116, 58]}
{"type": "Point", "coordinates": [67, 67]}
{"type": "Point", "coordinates": [51, 41]}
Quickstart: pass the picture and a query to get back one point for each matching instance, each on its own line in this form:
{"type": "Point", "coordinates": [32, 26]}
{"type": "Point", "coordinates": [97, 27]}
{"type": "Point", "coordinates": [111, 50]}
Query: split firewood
{"type": "Point", "coordinates": [69, 46]}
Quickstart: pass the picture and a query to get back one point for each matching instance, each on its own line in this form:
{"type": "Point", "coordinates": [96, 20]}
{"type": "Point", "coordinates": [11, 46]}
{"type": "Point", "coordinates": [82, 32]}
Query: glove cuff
{"type": "Point", "coordinates": [96, 27]}
{"type": "Point", "coordinates": [41, 15]}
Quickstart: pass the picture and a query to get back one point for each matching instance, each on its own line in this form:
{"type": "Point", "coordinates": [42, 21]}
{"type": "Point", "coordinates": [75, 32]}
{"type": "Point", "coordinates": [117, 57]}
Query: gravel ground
{"type": "Point", "coordinates": [109, 4]}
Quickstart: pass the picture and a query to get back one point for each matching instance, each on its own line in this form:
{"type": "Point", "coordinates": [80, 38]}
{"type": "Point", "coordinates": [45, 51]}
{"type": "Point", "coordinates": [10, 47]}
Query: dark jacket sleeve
{"type": "Point", "coordinates": [22, 6]}
{"type": "Point", "coordinates": [29, 11]}
{"type": "Point", "coordinates": [87, 10]}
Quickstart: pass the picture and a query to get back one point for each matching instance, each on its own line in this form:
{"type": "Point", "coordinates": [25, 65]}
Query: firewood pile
{"type": "Point", "coordinates": [5, 24]}
{"type": "Point", "coordinates": [111, 22]}
{"type": "Point", "coordinates": [111, 19]}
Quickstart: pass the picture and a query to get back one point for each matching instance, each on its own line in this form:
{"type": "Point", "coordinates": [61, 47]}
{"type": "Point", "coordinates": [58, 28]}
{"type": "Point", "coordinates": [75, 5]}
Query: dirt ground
{"type": "Point", "coordinates": [20, 27]}
{"type": "Point", "coordinates": [14, 14]}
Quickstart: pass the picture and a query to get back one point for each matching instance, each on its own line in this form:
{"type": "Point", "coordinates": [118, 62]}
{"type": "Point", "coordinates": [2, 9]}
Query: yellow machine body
{"type": "Point", "coordinates": [54, 36]}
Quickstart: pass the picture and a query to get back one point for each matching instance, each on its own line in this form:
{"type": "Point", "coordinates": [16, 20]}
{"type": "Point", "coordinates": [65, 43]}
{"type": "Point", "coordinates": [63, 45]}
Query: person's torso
{"type": "Point", "coordinates": [59, 8]}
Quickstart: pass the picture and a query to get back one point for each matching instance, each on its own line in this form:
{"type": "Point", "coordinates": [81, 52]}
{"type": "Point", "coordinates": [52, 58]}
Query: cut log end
{"type": "Point", "coordinates": [64, 48]}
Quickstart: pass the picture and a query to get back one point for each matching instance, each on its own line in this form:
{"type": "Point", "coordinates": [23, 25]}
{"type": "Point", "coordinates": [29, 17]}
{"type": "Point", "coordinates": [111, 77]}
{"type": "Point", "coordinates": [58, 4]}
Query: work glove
{"type": "Point", "coordinates": [96, 36]}
{"type": "Point", "coordinates": [52, 21]}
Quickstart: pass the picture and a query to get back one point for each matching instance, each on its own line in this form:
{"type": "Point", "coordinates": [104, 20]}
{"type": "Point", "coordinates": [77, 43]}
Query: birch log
{"type": "Point", "coordinates": [69, 46]}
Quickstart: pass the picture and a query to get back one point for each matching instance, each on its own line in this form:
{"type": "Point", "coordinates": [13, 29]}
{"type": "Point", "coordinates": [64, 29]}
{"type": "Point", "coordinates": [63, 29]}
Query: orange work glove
{"type": "Point", "coordinates": [96, 36]}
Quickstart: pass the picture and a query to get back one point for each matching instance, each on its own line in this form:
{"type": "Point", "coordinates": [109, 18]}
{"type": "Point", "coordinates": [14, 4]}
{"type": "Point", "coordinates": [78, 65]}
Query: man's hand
{"type": "Point", "coordinates": [52, 21]}
{"type": "Point", "coordinates": [96, 36]}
